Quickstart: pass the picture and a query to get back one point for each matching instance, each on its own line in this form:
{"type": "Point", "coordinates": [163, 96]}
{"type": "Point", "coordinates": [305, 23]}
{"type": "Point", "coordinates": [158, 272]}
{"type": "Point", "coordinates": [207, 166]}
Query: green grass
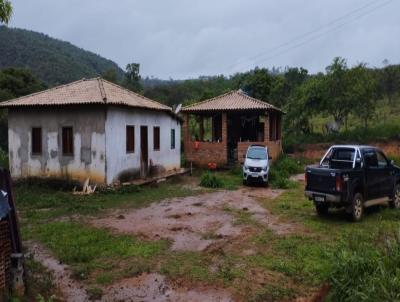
{"type": "Point", "coordinates": [384, 126]}
{"type": "Point", "coordinates": [88, 250]}
{"type": "Point", "coordinates": [47, 203]}
{"type": "Point", "coordinates": [228, 180]}
{"type": "Point", "coordinates": [279, 267]}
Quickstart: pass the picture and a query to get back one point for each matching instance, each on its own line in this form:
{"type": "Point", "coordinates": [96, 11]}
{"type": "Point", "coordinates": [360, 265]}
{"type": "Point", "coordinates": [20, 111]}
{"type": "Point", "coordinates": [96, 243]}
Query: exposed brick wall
{"type": "Point", "coordinates": [218, 152]}
{"type": "Point", "coordinates": [274, 149]}
{"type": "Point", "coordinates": [5, 257]}
{"type": "Point", "coordinates": [207, 152]}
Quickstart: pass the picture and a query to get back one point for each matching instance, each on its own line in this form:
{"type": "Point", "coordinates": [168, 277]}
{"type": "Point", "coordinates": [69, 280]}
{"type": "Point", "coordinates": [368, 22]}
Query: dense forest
{"type": "Point", "coordinates": [51, 60]}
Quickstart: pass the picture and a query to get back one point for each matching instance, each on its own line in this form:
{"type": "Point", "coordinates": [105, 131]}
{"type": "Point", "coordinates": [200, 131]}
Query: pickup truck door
{"type": "Point", "coordinates": [378, 174]}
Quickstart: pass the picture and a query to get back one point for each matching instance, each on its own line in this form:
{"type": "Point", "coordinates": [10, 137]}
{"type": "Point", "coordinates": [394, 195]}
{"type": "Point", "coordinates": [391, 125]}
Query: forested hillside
{"type": "Point", "coordinates": [51, 60]}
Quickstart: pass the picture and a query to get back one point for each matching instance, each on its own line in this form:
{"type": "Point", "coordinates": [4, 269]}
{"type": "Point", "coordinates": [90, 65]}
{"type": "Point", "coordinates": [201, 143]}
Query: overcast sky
{"type": "Point", "coordinates": [188, 38]}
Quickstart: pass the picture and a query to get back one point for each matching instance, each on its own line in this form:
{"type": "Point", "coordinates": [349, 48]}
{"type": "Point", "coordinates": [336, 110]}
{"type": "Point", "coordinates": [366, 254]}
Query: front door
{"type": "Point", "coordinates": [144, 152]}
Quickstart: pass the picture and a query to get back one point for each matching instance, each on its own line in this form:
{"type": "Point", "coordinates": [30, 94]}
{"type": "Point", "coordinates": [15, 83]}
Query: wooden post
{"type": "Point", "coordinates": [201, 127]}
{"type": "Point", "coordinates": [266, 127]}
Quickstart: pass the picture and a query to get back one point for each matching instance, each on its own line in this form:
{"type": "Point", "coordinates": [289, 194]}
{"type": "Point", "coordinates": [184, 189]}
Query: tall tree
{"type": "Point", "coordinates": [5, 11]}
{"type": "Point", "coordinates": [337, 85]}
{"type": "Point", "coordinates": [364, 92]}
{"type": "Point", "coordinates": [15, 83]}
{"type": "Point", "coordinates": [132, 78]}
{"type": "Point", "coordinates": [257, 84]}
{"type": "Point", "coordinates": [390, 82]}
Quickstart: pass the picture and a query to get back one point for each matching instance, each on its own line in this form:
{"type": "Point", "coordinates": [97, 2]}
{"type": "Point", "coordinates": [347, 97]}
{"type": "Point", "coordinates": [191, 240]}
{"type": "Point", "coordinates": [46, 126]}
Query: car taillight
{"type": "Point", "coordinates": [338, 183]}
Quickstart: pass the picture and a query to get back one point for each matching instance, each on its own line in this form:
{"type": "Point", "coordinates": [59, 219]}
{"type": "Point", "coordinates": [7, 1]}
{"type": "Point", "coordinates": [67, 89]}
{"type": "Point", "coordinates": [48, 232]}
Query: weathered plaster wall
{"type": "Point", "coordinates": [89, 158]}
{"type": "Point", "coordinates": [122, 166]}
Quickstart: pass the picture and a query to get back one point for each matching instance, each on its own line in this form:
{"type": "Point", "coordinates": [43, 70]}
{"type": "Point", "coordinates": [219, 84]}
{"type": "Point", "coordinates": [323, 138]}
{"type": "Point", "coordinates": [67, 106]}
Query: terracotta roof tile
{"type": "Point", "coordinates": [91, 91]}
{"type": "Point", "coordinates": [234, 100]}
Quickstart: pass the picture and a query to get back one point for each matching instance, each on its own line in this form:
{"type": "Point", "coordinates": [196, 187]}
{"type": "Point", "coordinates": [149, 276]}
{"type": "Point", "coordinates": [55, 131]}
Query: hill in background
{"type": "Point", "coordinates": [53, 61]}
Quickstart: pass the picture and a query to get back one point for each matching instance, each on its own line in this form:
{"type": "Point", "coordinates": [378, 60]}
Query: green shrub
{"type": "Point", "coordinates": [211, 180]}
{"type": "Point", "coordinates": [281, 170]}
{"type": "Point", "coordinates": [367, 273]}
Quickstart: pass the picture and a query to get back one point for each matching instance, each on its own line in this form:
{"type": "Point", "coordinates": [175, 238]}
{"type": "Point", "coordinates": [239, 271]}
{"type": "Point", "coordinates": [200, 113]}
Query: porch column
{"type": "Point", "coordinates": [185, 128]}
{"type": "Point", "coordinates": [201, 127]}
{"type": "Point", "coordinates": [224, 128]}
{"type": "Point", "coordinates": [266, 127]}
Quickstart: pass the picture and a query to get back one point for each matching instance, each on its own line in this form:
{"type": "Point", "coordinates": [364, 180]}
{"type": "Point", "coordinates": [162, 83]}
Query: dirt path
{"type": "Point", "coordinates": [71, 289]}
{"type": "Point", "coordinates": [196, 222]}
{"type": "Point", "coordinates": [154, 288]}
{"type": "Point", "coordinates": [147, 287]}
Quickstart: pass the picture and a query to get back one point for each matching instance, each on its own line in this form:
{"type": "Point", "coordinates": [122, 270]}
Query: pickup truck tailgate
{"type": "Point", "coordinates": [321, 180]}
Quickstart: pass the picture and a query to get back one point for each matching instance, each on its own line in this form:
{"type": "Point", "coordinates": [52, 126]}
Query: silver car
{"type": "Point", "coordinates": [256, 164]}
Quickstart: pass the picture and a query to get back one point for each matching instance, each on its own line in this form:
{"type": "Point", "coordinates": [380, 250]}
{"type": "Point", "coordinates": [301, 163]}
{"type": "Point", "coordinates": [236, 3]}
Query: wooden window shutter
{"type": "Point", "coordinates": [130, 139]}
{"type": "Point", "coordinates": [67, 141]}
{"type": "Point", "coordinates": [172, 138]}
{"type": "Point", "coordinates": [36, 140]}
{"type": "Point", "coordinates": [156, 138]}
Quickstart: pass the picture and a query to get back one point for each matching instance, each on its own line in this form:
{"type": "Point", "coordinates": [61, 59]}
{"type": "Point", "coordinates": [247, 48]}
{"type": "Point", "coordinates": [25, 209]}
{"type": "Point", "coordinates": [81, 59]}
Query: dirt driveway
{"type": "Point", "coordinates": [194, 223]}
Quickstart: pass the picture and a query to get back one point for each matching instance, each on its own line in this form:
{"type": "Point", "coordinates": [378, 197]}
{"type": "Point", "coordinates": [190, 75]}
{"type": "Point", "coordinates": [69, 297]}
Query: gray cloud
{"type": "Point", "coordinates": [188, 38]}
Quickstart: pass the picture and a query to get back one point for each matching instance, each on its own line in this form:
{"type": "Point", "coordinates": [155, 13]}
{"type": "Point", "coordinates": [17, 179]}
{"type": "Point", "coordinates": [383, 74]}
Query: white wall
{"type": "Point", "coordinates": [119, 163]}
{"type": "Point", "coordinates": [89, 142]}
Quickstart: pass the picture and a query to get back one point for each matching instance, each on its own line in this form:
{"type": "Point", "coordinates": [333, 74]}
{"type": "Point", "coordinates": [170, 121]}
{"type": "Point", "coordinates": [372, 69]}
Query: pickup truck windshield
{"type": "Point", "coordinates": [339, 158]}
{"type": "Point", "coordinates": [257, 153]}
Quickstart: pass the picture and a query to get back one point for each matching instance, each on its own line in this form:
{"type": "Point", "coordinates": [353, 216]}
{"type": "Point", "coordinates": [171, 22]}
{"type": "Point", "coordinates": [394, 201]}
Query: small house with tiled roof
{"type": "Point", "coordinates": [220, 130]}
{"type": "Point", "coordinates": [91, 129]}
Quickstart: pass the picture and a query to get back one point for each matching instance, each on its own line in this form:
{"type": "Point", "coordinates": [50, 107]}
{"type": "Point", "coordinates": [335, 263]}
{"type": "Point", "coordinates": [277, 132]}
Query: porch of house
{"type": "Point", "coordinates": [223, 137]}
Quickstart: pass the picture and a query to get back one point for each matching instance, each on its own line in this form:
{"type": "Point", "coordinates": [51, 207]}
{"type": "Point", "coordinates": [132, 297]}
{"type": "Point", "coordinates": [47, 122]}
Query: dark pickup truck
{"type": "Point", "coordinates": [354, 177]}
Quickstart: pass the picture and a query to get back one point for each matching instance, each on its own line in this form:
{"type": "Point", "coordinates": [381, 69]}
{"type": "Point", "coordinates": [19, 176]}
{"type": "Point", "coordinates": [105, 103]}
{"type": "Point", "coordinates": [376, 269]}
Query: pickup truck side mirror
{"type": "Point", "coordinates": [392, 162]}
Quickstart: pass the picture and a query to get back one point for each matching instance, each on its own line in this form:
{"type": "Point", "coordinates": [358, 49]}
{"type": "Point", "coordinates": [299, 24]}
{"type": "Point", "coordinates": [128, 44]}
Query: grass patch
{"type": "Point", "coordinates": [271, 292]}
{"type": "Point", "coordinates": [211, 180]}
{"type": "Point", "coordinates": [39, 283]}
{"type": "Point", "coordinates": [88, 249]}
{"type": "Point", "coordinates": [43, 202]}
{"type": "Point", "coordinates": [228, 180]}
{"type": "Point", "coordinates": [191, 266]}
{"type": "Point", "coordinates": [367, 273]}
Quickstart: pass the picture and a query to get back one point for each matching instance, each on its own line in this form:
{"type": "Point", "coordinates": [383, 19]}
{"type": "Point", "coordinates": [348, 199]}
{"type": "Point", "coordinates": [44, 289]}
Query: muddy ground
{"type": "Point", "coordinates": [196, 222]}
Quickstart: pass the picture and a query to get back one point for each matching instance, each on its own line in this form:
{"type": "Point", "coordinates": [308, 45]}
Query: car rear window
{"type": "Point", "coordinates": [339, 158]}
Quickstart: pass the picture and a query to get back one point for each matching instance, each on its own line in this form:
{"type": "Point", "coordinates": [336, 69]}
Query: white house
{"type": "Point", "coordinates": [91, 128]}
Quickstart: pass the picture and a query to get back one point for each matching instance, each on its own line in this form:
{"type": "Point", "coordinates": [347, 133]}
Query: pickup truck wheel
{"type": "Point", "coordinates": [395, 202]}
{"type": "Point", "coordinates": [322, 209]}
{"type": "Point", "coordinates": [357, 208]}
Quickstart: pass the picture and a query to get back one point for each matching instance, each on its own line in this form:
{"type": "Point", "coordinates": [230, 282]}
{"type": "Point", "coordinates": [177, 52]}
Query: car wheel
{"type": "Point", "coordinates": [395, 202]}
{"type": "Point", "coordinates": [322, 209]}
{"type": "Point", "coordinates": [245, 182]}
{"type": "Point", "coordinates": [357, 208]}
